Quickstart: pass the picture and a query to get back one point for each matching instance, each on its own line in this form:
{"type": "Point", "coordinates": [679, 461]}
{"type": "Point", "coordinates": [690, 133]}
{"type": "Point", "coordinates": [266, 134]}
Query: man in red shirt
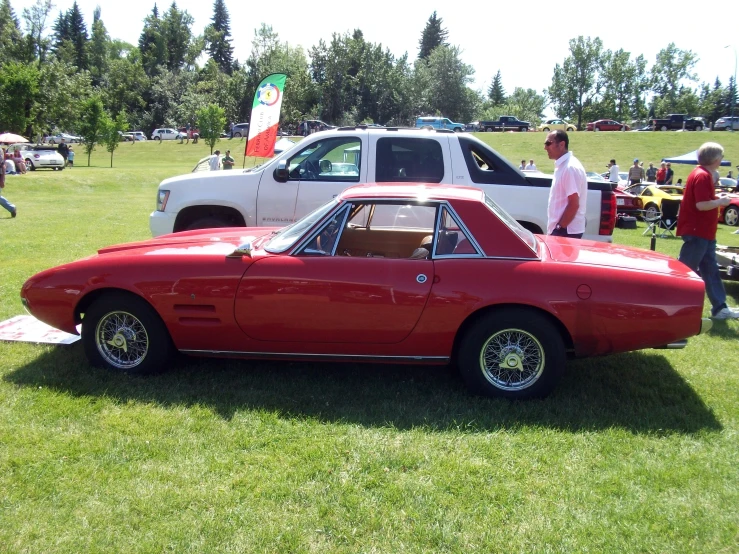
{"type": "Point", "coordinates": [697, 225]}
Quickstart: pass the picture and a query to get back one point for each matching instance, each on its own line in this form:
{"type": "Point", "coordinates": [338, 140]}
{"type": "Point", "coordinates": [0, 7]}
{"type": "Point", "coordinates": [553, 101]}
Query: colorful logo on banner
{"type": "Point", "coordinates": [268, 94]}
{"type": "Point", "coordinates": [265, 116]}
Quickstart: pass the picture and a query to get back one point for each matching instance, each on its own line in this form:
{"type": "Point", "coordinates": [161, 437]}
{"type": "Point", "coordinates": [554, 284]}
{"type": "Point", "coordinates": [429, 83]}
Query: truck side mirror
{"type": "Point", "coordinates": [281, 173]}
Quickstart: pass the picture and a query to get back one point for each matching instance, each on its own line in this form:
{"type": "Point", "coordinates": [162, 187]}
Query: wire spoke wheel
{"type": "Point", "coordinates": [121, 339]}
{"type": "Point", "coordinates": [512, 359]}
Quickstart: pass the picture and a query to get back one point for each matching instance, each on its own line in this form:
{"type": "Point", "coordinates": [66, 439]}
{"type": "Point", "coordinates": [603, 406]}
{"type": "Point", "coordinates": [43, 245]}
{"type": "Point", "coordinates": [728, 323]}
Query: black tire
{"type": "Point", "coordinates": [698, 128]}
{"type": "Point", "coordinates": [570, 129]}
{"type": "Point", "coordinates": [207, 223]}
{"type": "Point", "coordinates": [663, 128]}
{"type": "Point", "coordinates": [530, 347]}
{"type": "Point", "coordinates": [731, 216]}
{"type": "Point", "coordinates": [597, 128]}
{"type": "Point", "coordinates": [546, 129]}
{"type": "Point", "coordinates": [30, 165]}
{"type": "Point", "coordinates": [237, 135]}
{"type": "Point", "coordinates": [524, 129]}
{"type": "Point", "coordinates": [159, 139]}
{"type": "Point", "coordinates": [122, 332]}
{"type": "Point", "coordinates": [489, 129]}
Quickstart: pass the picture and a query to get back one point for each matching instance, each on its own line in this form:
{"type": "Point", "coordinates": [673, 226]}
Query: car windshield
{"type": "Point", "coordinates": [285, 238]}
{"type": "Point", "coordinates": [524, 234]}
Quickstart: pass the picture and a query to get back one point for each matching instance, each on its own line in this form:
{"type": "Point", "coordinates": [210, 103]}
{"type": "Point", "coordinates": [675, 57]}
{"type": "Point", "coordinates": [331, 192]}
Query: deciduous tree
{"type": "Point", "coordinates": [211, 121]}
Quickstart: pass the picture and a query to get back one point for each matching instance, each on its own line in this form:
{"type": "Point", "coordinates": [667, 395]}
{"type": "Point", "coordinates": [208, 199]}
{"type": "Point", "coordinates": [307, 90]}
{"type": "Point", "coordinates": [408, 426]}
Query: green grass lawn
{"type": "Point", "coordinates": [634, 452]}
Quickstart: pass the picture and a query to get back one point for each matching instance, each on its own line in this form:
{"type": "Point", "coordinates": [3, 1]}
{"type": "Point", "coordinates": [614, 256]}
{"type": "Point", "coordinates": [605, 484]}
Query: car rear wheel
{"type": "Point", "coordinates": [570, 129]}
{"type": "Point", "coordinates": [237, 135]}
{"type": "Point", "coordinates": [512, 353]}
{"type": "Point", "coordinates": [731, 216]}
{"type": "Point", "coordinates": [546, 129]}
{"type": "Point", "coordinates": [158, 138]}
{"type": "Point", "coordinates": [122, 332]}
{"type": "Point", "coordinates": [698, 128]}
{"type": "Point", "coordinates": [651, 211]}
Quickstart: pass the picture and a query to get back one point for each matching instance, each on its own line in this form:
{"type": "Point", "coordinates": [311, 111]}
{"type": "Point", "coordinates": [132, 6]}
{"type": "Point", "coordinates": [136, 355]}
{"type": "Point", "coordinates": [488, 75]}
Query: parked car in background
{"type": "Point", "coordinates": [676, 122]}
{"type": "Point", "coordinates": [56, 139]}
{"type": "Point", "coordinates": [730, 214]}
{"type": "Point", "coordinates": [310, 126]}
{"type": "Point", "coordinates": [606, 125]}
{"type": "Point", "coordinates": [39, 156]}
{"type": "Point", "coordinates": [434, 122]}
{"type": "Point", "coordinates": [133, 136]}
{"type": "Point", "coordinates": [241, 130]}
{"type": "Point", "coordinates": [167, 133]}
{"type": "Point", "coordinates": [472, 126]}
{"type": "Point", "coordinates": [505, 123]}
{"type": "Point", "coordinates": [727, 184]}
{"type": "Point", "coordinates": [556, 124]}
{"type": "Point", "coordinates": [726, 123]}
{"type": "Point", "coordinates": [393, 272]}
{"type": "Point", "coordinates": [626, 203]}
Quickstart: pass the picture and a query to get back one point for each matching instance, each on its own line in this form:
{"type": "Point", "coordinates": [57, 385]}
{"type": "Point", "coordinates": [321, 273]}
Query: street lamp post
{"type": "Point", "coordinates": [733, 96]}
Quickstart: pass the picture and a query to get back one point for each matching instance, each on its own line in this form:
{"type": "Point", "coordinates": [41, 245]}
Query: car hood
{"type": "Point", "coordinates": [593, 253]}
{"type": "Point", "coordinates": [200, 242]}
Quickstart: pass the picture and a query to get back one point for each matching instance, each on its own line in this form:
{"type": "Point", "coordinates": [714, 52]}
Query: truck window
{"type": "Point", "coordinates": [416, 160]}
{"type": "Point", "coordinates": [327, 160]}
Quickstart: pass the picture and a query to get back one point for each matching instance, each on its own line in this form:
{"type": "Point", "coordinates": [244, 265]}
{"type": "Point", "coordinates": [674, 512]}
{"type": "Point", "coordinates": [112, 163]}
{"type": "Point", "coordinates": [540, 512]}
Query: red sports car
{"type": "Point", "coordinates": [391, 273]}
{"type": "Point", "coordinates": [607, 125]}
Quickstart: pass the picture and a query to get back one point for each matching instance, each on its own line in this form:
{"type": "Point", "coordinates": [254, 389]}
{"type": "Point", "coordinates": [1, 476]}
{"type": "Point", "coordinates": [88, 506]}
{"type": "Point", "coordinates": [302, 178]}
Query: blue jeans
{"type": "Point", "coordinates": [5, 204]}
{"type": "Point", "coordinates": [700, 255]}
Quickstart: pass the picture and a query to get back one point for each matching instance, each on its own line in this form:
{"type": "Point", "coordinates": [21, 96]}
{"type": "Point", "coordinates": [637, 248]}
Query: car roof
{"type": "Point", "coordinates": [414, 192]}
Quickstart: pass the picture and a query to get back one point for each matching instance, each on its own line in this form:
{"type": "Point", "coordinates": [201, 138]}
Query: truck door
{"type": "Point", "coordinates": [317, 171]}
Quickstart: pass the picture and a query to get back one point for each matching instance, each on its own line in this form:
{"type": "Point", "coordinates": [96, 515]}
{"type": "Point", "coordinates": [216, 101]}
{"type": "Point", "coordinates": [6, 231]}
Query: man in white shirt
{"type": "Point", "coordinates": [215, 161]}
{"type": "Point", "coordinates": [613, 168]}
{"type": "Point", "coordinates": [567, 197]}
{"type": "Point", "coordinates": [531, 166]}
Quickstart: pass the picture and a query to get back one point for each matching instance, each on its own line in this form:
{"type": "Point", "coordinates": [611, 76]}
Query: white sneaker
{"type": "Point", "coordinates": [726, 313]}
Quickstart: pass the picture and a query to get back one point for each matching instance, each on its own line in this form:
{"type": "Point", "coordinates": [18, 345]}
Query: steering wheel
{"type": "Point", "coordinates": [311, 169]}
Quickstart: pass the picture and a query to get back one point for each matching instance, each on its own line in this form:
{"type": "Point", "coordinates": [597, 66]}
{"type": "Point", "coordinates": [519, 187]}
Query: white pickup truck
{"type": "Point", "coordinates": [317, 168]}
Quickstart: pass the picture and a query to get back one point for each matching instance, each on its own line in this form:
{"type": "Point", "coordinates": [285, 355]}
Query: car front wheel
{"type": "Point", "coordinates": [122, 332]}
{"type": "Point", "coordinates": [651, 211]}
{"type": "Point", "coordinates": [698, 127]}
{"type": "Point", "coordinates": [30, 165]}
{"type": "Point", "coordinates": [512, 353]}
{"type": "Point", "coordinates": [597, 128]}
{"type": "Point", "coordinates": [731, 216]}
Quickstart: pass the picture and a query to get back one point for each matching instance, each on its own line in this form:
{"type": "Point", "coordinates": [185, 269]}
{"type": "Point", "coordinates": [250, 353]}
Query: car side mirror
{"type": "Point", "coordinates": [241, 251]}
{"type": "Point", "coordinates": [281, 173]}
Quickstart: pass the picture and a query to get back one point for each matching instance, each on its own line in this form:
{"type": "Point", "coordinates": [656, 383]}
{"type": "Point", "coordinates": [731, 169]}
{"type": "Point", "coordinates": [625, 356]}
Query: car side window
{"type": "Point", "coordinates": [335, 159]}
{"type": "Point", "coordinates": [417, 160]}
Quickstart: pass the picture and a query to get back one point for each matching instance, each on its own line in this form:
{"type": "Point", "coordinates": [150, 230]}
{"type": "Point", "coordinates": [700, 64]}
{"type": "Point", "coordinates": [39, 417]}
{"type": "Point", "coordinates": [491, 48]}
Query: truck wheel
{"type": "Point", "coordinates": [512, 353]}
{"type": "Point", "coordinates": [457, 130]}
{"type": "Point", "coordinates": [663, 128]}
{"type": "Point", "coordinates": [207, 223]}
{"type": "Point", "coordinates": [731, 216]}
{"type": "Point", "coordinates": [546, 129]}
{"type": "Point", "coordinates": [489, 129]}
{"type": "Point", "coordinates": [524, 129]}
{"type": "Point", "coordinates": [698, 128]}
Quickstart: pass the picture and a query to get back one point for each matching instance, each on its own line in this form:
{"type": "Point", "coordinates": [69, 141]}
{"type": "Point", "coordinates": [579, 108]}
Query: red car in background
{"type": "Point", "coordinates": [607, 125]}
{"type": "Point", "coordinates": [394, 273]}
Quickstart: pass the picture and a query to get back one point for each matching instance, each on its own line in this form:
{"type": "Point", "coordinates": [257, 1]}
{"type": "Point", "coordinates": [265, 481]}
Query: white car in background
{"type": "Point", "coordinates": [133, 136]}
{"type": "Point", "coordinates": [167, 134]}
{"type": "Point", "coordinates": [56, 139]}
{"type": "Point", "coordinates": [39, 156]}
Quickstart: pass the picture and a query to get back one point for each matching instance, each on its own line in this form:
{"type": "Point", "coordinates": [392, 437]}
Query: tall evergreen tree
{"type": "Point", "coordinates": [496, 92]}
{"type": "Point", "coordinates": [10, 32]}
{"type": "Point", "coordinates": [151, 44]}
{"type": "Point", "coordinates": [731, 97]}
{"type": "Point", "coordinates": [218, 38]}
{"type": "Point", "coordinates": [98, 49]}
{"type": "Point", "coordinates": [176, 25]}
{"type": "Point", "coordinates": [433, 35]}
{"type": "Point", "coordinates": [78, 36]}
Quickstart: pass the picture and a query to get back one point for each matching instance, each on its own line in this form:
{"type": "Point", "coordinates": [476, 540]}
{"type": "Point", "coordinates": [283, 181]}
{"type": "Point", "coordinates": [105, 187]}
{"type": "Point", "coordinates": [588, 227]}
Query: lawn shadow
{"type": "Point", "coordinates": [638, 391]}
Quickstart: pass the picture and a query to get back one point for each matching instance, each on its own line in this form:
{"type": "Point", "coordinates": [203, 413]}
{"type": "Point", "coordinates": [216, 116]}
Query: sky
{"type": "Point", "coordinates": [524, 41]}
